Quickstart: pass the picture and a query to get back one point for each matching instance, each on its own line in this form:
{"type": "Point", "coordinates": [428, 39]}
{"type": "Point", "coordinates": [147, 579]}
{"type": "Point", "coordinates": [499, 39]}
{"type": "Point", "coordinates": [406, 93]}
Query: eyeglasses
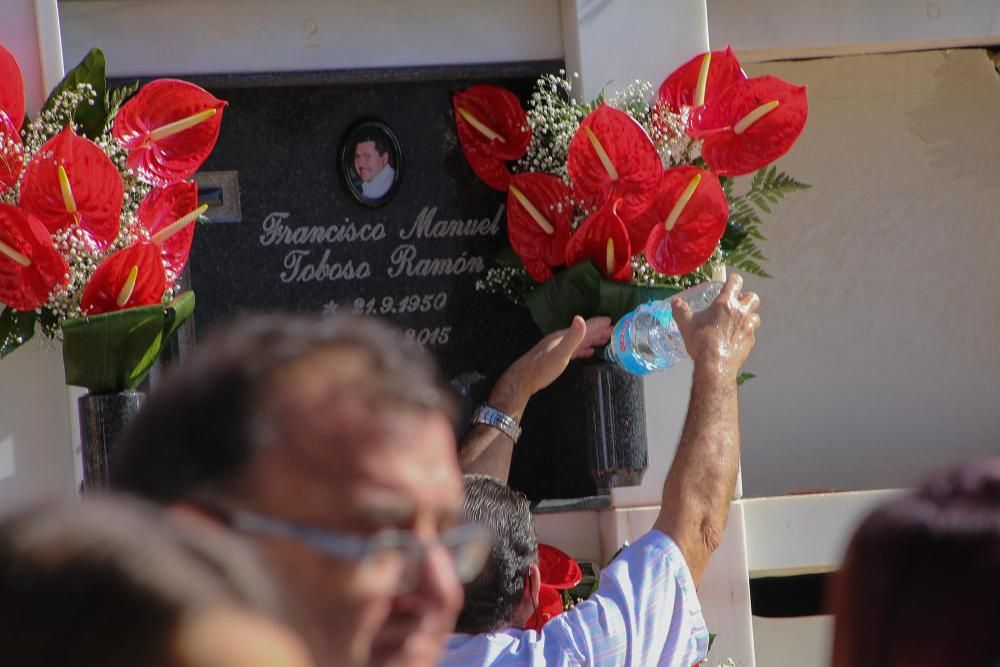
{"type": "Point", "coordinates": [399, 551]}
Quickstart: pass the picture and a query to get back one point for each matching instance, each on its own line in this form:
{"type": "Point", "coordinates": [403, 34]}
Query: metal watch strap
{"type": "Point", "coordinates": [490, 416]}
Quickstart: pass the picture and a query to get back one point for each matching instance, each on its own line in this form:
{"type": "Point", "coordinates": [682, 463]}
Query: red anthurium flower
{"type": "Point", "coordinates": [168, 128]}
{"type": "Point", "coordinates": [11, 88]}
{"type": "Point", "coordinates": [126, 279]}
{"type": "Point", "coordinates": [537, 269]}
{"type": "Point", "coordinates": [700, 80]}
{"type": "Point", "coordinates": [492, 129]}
{"type": "Point", "coordinates": [169, 214]}
{"type": "Point", "coordinates": [539, 218]}
{"type": "Point", "coordinates": [11, 154]}
{"type": "Point", "coordinates": [556, 567]}
{"type": "Point", "coordinates": [70, 181]}
{"type": "Point", "coordinates": [30, 266]}
{"type": "Point", "coordinates": [558, 571]}
{"type": "Point", "coordinates": [491, 170]}
{"type": "Point", "coordinates": [603, 238]}
{"type": "Point", "coordinates": [491, 122]}
{"type": "Point", "coordinates": [550, 605]}
{"type": "Point", "coordinates": [685, 222]}
{"type": "Point", "coordinates": [752, 125]}
{"type": "Point", "coordinates": [610, 158]}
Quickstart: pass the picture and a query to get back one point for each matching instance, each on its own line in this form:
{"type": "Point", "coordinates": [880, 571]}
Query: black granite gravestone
{"type": "Point", "coordinates": [302, 242]}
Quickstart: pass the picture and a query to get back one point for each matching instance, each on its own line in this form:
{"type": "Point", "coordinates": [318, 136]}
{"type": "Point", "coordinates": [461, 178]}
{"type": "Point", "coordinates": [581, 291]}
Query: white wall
{"type": "Point", "coordinates": [149, 37]}
{"type": "Point", "coordinates": [781, 29]}
{"type": "Point", "coordinates": [877, 358]}
{"type": "Point", "coordinates": [36, 450]}
{"type": "Point", "coordinates": [609, 44]}
{"type": "Point", "coordinates": [36, 447]}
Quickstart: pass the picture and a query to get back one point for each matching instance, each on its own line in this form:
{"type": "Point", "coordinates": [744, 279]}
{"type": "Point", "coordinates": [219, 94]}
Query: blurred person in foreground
{"type": "Point", "coordinates": [108, 583]}
{"type": "Point", "coordinates": [329, 443]}
{"type": "Point", "coordinates": [645, 610]}
{"type": "Point", "coordinates": [920, 584]}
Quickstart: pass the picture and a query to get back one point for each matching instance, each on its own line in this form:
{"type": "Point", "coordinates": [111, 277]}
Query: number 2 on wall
{"type": "Point", "coordinates": [311, 28]}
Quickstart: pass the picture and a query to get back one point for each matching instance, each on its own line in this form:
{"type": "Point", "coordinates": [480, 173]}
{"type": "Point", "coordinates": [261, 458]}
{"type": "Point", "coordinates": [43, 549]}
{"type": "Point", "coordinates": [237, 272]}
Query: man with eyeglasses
{"type": "Point", "coordinates": [329, 442]}
{"type": "Point", "coordinates": [645, 611]}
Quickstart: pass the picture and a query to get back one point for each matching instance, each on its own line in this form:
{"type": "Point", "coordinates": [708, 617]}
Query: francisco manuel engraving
{"type": "Point", "coordinates": [405, 262]}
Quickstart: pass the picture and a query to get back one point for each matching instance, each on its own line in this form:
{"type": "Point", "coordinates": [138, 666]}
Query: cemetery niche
{"type": "Point", "coordinates": [292, 229]}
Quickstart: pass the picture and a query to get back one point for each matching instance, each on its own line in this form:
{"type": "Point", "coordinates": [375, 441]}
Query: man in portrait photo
{"type": "Point", "coordinates": [372, 163]}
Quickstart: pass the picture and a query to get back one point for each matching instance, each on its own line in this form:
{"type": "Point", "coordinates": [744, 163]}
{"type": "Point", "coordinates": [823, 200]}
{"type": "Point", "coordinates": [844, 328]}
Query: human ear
{"type": "Point", "coordinates": [534, 584]}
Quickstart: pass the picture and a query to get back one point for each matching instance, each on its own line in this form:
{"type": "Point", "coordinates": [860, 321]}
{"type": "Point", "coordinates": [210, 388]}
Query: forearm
{"type": "Point", "coordinates": [699, 486]}
{"type": "Point", "coordinates": [487, 450]}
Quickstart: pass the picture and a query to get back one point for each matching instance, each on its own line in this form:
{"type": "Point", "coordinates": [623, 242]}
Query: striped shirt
{"type": "Point", "coordinates": [645, 612]}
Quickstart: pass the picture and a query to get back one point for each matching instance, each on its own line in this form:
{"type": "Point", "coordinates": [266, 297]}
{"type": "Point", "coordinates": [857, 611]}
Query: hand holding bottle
{"type": "Point", "coordinates": [722, 335]}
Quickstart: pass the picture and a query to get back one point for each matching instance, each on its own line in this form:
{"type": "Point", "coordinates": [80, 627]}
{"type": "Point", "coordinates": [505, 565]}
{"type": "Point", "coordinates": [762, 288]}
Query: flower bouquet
{"type": "Point", "coordinates": [97, 217]}
{"type": "Point", "coordinates": [631, 197]}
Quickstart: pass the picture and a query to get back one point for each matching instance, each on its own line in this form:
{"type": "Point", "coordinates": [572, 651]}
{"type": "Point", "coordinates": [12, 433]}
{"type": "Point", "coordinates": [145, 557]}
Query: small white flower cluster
{"type": "Point", "coordinates": [553, 116]}
{"type": "Point", "coordinates": [633, 99]}
{"type": "Point", "coordinates": [644, 274]}
{"type": "Point", "coordinates": [54, 118]}
{"type": "Point", "coordinates": [10, 147]}
{"type": "Point", "coordinates": [666, 129]}
{"type": "Point", "coordinates": [512, 283]}
{"type": "Point", "coordinates": [71, 243]}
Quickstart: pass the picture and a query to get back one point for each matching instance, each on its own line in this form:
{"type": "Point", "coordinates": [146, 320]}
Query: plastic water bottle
{"type": "Point", "coordinates": [648, 340]}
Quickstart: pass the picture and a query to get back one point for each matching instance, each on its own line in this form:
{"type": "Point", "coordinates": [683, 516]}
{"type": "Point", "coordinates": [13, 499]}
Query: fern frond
{"type": "Point", "coordinates": [113, 99]}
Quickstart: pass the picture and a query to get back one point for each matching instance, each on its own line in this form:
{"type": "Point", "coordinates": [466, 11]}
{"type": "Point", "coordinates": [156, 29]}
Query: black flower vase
{"type": "Point", "coordinates": [615, 425]}
{"type": "Point", "coordinates": [103, 417]}
{"type": "Point", "coordinates": [583, 435]}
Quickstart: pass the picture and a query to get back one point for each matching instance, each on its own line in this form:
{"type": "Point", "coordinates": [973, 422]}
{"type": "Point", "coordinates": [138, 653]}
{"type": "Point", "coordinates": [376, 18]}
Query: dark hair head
{"type": "Point", "coordinates": [492, 598]}
{"type": "Point", "coordinates": [920, 584]}
{"type": "Point", "coordinates": [199, 429]}
{"type": "Point", "coordinates": [107, 583]}
{"type": "Point", "coordinates": [381, 143]}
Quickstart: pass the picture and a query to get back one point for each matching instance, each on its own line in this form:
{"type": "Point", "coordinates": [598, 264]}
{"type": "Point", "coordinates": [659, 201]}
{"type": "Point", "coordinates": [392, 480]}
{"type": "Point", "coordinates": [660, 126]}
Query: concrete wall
{"type": "Point", "coordinates": [194, 37]}
{"type": "Point", "coordinates": [877, 358]}
{"type": "Point", "coordinates": [781, 29]}
{"type": "Point", "coordinates": [36, 448]}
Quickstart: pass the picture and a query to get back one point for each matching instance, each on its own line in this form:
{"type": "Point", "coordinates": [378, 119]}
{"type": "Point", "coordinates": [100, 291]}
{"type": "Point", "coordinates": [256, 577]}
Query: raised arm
{"type": "Point", "coordinates": [487, 450]}
{"type": "Point", "coordinates": [699, 486]}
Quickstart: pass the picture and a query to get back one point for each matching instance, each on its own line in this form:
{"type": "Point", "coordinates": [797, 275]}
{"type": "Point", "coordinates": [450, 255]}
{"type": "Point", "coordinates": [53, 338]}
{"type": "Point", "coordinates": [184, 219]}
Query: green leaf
{"type": "Point", "coordinates": [177, 313]}
{"type": "Point", "coordinates": [761, 202]}
{"type": "Point", "coordinates": [91, 69]}
{"type": "Point", "coordinates": [114, 99]}
{"type": "Point", "coordinates": [112, 352]}
{"type": "Point", "coordinates": [49, 322]}
{"type": "Point", "coordinates": [618, 299]}
{"type": "Point", "coordinates": [732, 237]}
{"type": "Point", "coordinates": [744, 377]}
{"type": "Point", "coordinates": [16, 328]}
{"type": "Point", "coordinates": [728, 184]}
{"type": "Point", "coordinates": [574, 291]}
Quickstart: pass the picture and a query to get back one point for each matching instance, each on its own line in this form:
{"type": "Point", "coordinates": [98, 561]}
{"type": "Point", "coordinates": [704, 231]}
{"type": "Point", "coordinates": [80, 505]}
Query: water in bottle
{"type": "Point", "coordinates": [648, 340]}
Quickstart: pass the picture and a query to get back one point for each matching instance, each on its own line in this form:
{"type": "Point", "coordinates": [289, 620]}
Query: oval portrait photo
{"type": "Point", "coordinates": [371, 162]}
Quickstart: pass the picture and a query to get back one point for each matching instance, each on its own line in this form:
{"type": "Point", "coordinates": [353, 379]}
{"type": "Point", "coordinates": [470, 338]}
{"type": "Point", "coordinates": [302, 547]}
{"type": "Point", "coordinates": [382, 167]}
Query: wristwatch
{"type": "Point", "coordinates": [504, 423]}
